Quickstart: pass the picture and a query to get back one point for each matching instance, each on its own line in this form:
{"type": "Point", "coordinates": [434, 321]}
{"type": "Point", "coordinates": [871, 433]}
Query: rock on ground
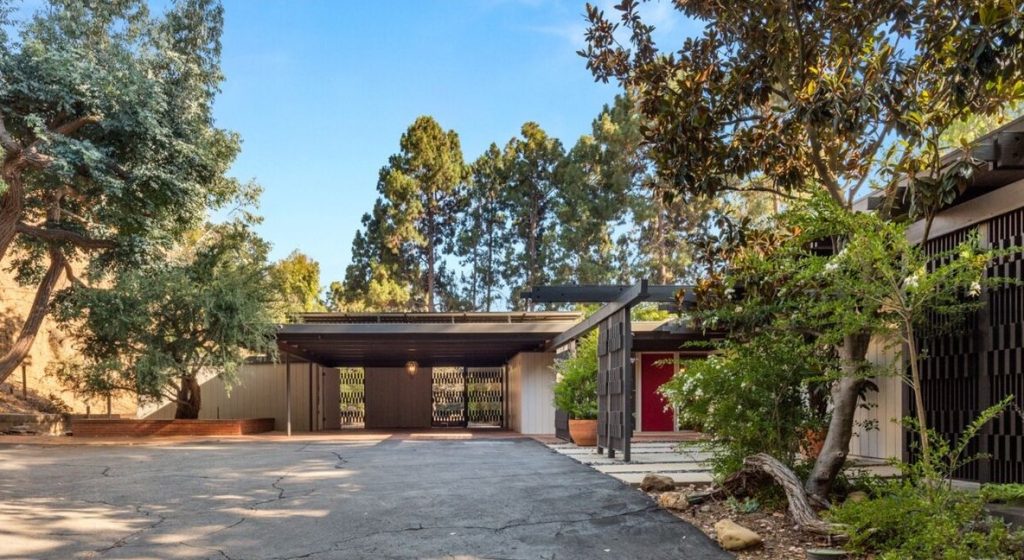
{"type": "Point", "coordinates": [733, 536]}
{"type": "Point", "coordinates": [657, 483]}
{"type": "Point", "coordinates": [673, 500]}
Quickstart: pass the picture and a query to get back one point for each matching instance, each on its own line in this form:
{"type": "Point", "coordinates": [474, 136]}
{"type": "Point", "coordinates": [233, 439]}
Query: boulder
{"type": "Point", "coordinates": [657, 483]}
{"type": "Point", "coordinates": [733, 536]}
{"type": "Point", "coordinates": [673, 500]}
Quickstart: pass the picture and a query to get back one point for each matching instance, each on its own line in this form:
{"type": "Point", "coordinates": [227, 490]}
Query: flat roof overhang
{"type": "Point", "coordinates": [428, 344]}
{"type": "Point", "coordinates": [465, 342]}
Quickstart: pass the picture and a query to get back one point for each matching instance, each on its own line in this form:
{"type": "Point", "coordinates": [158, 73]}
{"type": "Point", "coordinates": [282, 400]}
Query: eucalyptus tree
{"type": "Point", "coordinates": [420, 185]}
{"type": "Point", "coordinates": [816, 97]}
{"type": "Point", "coordinates": [530, 198]}
{"type": "Point", "coordinates": [109, 145]}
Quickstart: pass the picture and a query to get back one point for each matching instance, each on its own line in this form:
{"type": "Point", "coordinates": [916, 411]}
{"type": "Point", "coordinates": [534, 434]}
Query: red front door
{"type": "Point", "coordinates": [654, 417]}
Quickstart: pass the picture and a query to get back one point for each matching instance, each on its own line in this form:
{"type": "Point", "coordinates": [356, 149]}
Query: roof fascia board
{"type": "Point", "coordinates": [974, 211]}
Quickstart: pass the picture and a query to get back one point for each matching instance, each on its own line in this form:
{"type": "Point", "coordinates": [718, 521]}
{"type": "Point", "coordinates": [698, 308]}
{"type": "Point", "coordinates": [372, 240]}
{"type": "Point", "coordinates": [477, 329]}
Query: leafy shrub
{"type": "Point", "coordinates": [750, 398]}
{"type": "Point", "coordinates": [576, 388]}
{"type": "Point", "coordinates": [907, 522]}
{"type": "Point", "coordinates": [921, 516]}
{"type": "Point", "coordinates": [1003, 493]}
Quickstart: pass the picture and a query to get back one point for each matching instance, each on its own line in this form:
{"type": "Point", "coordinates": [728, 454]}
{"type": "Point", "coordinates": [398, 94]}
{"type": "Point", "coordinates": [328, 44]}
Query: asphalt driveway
{"type": "Point", "coordinates": [322, 498]}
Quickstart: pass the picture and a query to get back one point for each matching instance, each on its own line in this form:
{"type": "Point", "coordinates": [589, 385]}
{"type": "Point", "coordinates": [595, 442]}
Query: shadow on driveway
{"type": "Point", "coordinates": [374, 498]}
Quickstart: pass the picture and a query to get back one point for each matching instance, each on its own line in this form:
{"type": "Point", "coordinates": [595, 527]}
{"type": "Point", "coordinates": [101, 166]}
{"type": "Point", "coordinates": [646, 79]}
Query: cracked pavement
{"type": "Point", "coordinates": [326, 498]}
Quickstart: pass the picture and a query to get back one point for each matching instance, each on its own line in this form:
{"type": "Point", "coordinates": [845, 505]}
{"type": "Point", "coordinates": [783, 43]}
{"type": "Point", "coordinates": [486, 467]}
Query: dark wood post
{"type": "Point", "coordinates": [288, 391]}
{"type": "Point", "coordinates": [465, 397]}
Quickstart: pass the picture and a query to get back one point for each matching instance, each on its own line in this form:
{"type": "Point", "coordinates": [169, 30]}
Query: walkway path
{"type": "Point", "coordinates": [371, 497]}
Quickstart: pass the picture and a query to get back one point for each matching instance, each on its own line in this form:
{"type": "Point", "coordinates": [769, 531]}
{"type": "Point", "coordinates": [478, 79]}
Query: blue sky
{"type": "Point", "coordinates": [321, 91]}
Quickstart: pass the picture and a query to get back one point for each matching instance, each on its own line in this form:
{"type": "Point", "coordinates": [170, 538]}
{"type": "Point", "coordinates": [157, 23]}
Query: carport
{"type": "Point", "coordinates": [401, 354]}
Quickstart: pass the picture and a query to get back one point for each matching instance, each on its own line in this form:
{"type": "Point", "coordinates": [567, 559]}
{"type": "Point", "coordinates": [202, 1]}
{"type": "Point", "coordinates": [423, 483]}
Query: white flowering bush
{"type": "Point", "coordinates": [751, 398]}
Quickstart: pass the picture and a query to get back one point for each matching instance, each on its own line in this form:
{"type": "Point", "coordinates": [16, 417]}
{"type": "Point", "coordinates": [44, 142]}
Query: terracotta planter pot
{"type": "Point", "coordinates": [583, 432]}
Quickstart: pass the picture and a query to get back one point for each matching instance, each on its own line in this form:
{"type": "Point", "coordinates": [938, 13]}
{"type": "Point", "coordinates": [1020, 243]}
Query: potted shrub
{"type": "Point", "coordinates": [576, 391]}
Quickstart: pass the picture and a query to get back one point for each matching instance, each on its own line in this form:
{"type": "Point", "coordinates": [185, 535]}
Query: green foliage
{"type": "Point", "coordinates": [110, 150]}
{"type": "Point", "coordinates": [420, 186]}
{"type": "Point", "coordinates": [576, 388]}
{"type": "Point", "coordinates": [746, 506]}
{"type": "Point", "coordinates": [1003, 494]}
{"type": "Point", "coordinates": [817, 97]}
{"type": "Point", "coordinates": [162, 329]}
{"type": "Point", "coordinates": [906, 522]}
{"type": "Point", "coordinates": [751, 398]}
{"type": "Point", "coordinates": [297, 280]}
{"type": "Point", "coordinates": [920, 514]}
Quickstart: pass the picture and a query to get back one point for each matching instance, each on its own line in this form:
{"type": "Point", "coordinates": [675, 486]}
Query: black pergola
{"type": "Point", "coordinates": [614, 350]}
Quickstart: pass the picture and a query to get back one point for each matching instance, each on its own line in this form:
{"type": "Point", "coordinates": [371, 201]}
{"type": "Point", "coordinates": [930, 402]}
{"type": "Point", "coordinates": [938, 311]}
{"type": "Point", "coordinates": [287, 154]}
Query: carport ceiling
{"type": "Point", "coordinates": [429, 344]}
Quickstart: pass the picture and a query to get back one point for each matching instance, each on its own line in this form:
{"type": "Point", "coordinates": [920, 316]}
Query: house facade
{"type": "Point", "coordinates": [982, 361]}
{"type": "Point", "coordinates": [414, 371]}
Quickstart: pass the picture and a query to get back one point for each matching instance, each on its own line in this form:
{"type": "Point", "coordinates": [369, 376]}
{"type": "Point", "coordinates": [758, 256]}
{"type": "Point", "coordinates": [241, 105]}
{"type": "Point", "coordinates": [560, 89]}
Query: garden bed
{"type": "Point", "coordinates": [782, 540]}
{"type": "Point", "coordinates": [155, 428]}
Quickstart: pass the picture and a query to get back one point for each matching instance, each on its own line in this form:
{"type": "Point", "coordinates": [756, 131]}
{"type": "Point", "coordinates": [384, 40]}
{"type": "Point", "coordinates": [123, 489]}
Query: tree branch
{"type": "Point", "coordinates": [72, 126]}
{"type": "Point", "coordinates": [53, 234]}
{"type": "Point", "coordinates": [9, 144]}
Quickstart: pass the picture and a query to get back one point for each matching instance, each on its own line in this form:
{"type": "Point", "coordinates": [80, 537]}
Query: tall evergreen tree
{"type": "Point", "coordinates": [530, 199]}
{"type": "Point", "coordinates": [483, 230]}
{"type": "Point", "coordinates": [378, 278]}
{"type": "Point", "coordinates": [596, 182]}
{"type": "Point", "coordinates": [420, 185]}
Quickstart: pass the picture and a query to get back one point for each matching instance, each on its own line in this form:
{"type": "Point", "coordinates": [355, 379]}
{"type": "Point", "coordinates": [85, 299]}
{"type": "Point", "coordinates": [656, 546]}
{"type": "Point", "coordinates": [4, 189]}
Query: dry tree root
{"type": "Point", "coordinates": [760, 469]}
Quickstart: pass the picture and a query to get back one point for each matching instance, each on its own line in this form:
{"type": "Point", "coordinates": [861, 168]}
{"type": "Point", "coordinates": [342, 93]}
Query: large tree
{"type": "Point", "coordinates": [531, 197]}
{"type": "Point", "coordinates": [483, 229]}
{"type": "Point", "coordinates": [297, 281]}
{"type": "Point", "coordinates": [109, 146]}
{"type": "Point", "coordinates": [596, 180]}
{"type": "Point", "coordinates": [377, 278]}
{"type": "Point", "coordinates": [792, 98]}
{"type": "Point", "coordinates": [420, 184]}
{"type": "Point", "coordinates": [163, 328]}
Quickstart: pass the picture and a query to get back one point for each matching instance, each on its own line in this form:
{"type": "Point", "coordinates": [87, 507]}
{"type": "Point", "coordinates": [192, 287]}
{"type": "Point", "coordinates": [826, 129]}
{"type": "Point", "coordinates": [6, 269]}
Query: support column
{"type": "Point", "coordinates": [311, 396]}
{"type": "Point", "coordinates": [288, 391]}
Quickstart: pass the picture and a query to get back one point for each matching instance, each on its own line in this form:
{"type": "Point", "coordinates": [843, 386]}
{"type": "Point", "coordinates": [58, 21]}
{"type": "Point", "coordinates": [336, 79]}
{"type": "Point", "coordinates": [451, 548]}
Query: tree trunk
{"type": "Point", "coordinates": [11, 205]}
{"type": "Point", "coordinates": [40, 305]}
{"type": "Point", "coordinates": [757, 470]}
{"type": "Point", "coordinates": [189, 400]}
{"type": "Point", "coordinates": [659, 229]}
{"type": "Point", "coordinates": [431, 258]}
{"type": "Point", "coordinates": [922, 417]}
{"type": "Point", "coordinates": [845, 393]}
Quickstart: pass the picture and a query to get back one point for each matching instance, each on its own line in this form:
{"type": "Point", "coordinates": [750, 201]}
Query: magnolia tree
{"type": "Point", "coordinates": [816, 97]}
{"type": "Point", "coordinates": [109, 147]}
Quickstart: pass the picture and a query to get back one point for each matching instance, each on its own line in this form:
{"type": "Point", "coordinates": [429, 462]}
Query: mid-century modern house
{"type": "Point", "coordinates": [424, 370]}
{"type": "Point", "coordinates": [969, 370]}
{"type": "Point", "coordinates": [419, 370]}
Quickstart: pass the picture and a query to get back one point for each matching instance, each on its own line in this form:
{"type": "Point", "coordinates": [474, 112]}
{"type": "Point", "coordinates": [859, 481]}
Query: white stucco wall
{"type": "Point", "coordinates": [530, 381]}
{"type": "Point", "coordinates": [885, 438]}
{"type": "Point", "coordinates": [260, 391]}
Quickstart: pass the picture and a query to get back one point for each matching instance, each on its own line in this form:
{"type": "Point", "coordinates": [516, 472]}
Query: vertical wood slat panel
{"type": "Point", "coordinates": [394, 399]}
